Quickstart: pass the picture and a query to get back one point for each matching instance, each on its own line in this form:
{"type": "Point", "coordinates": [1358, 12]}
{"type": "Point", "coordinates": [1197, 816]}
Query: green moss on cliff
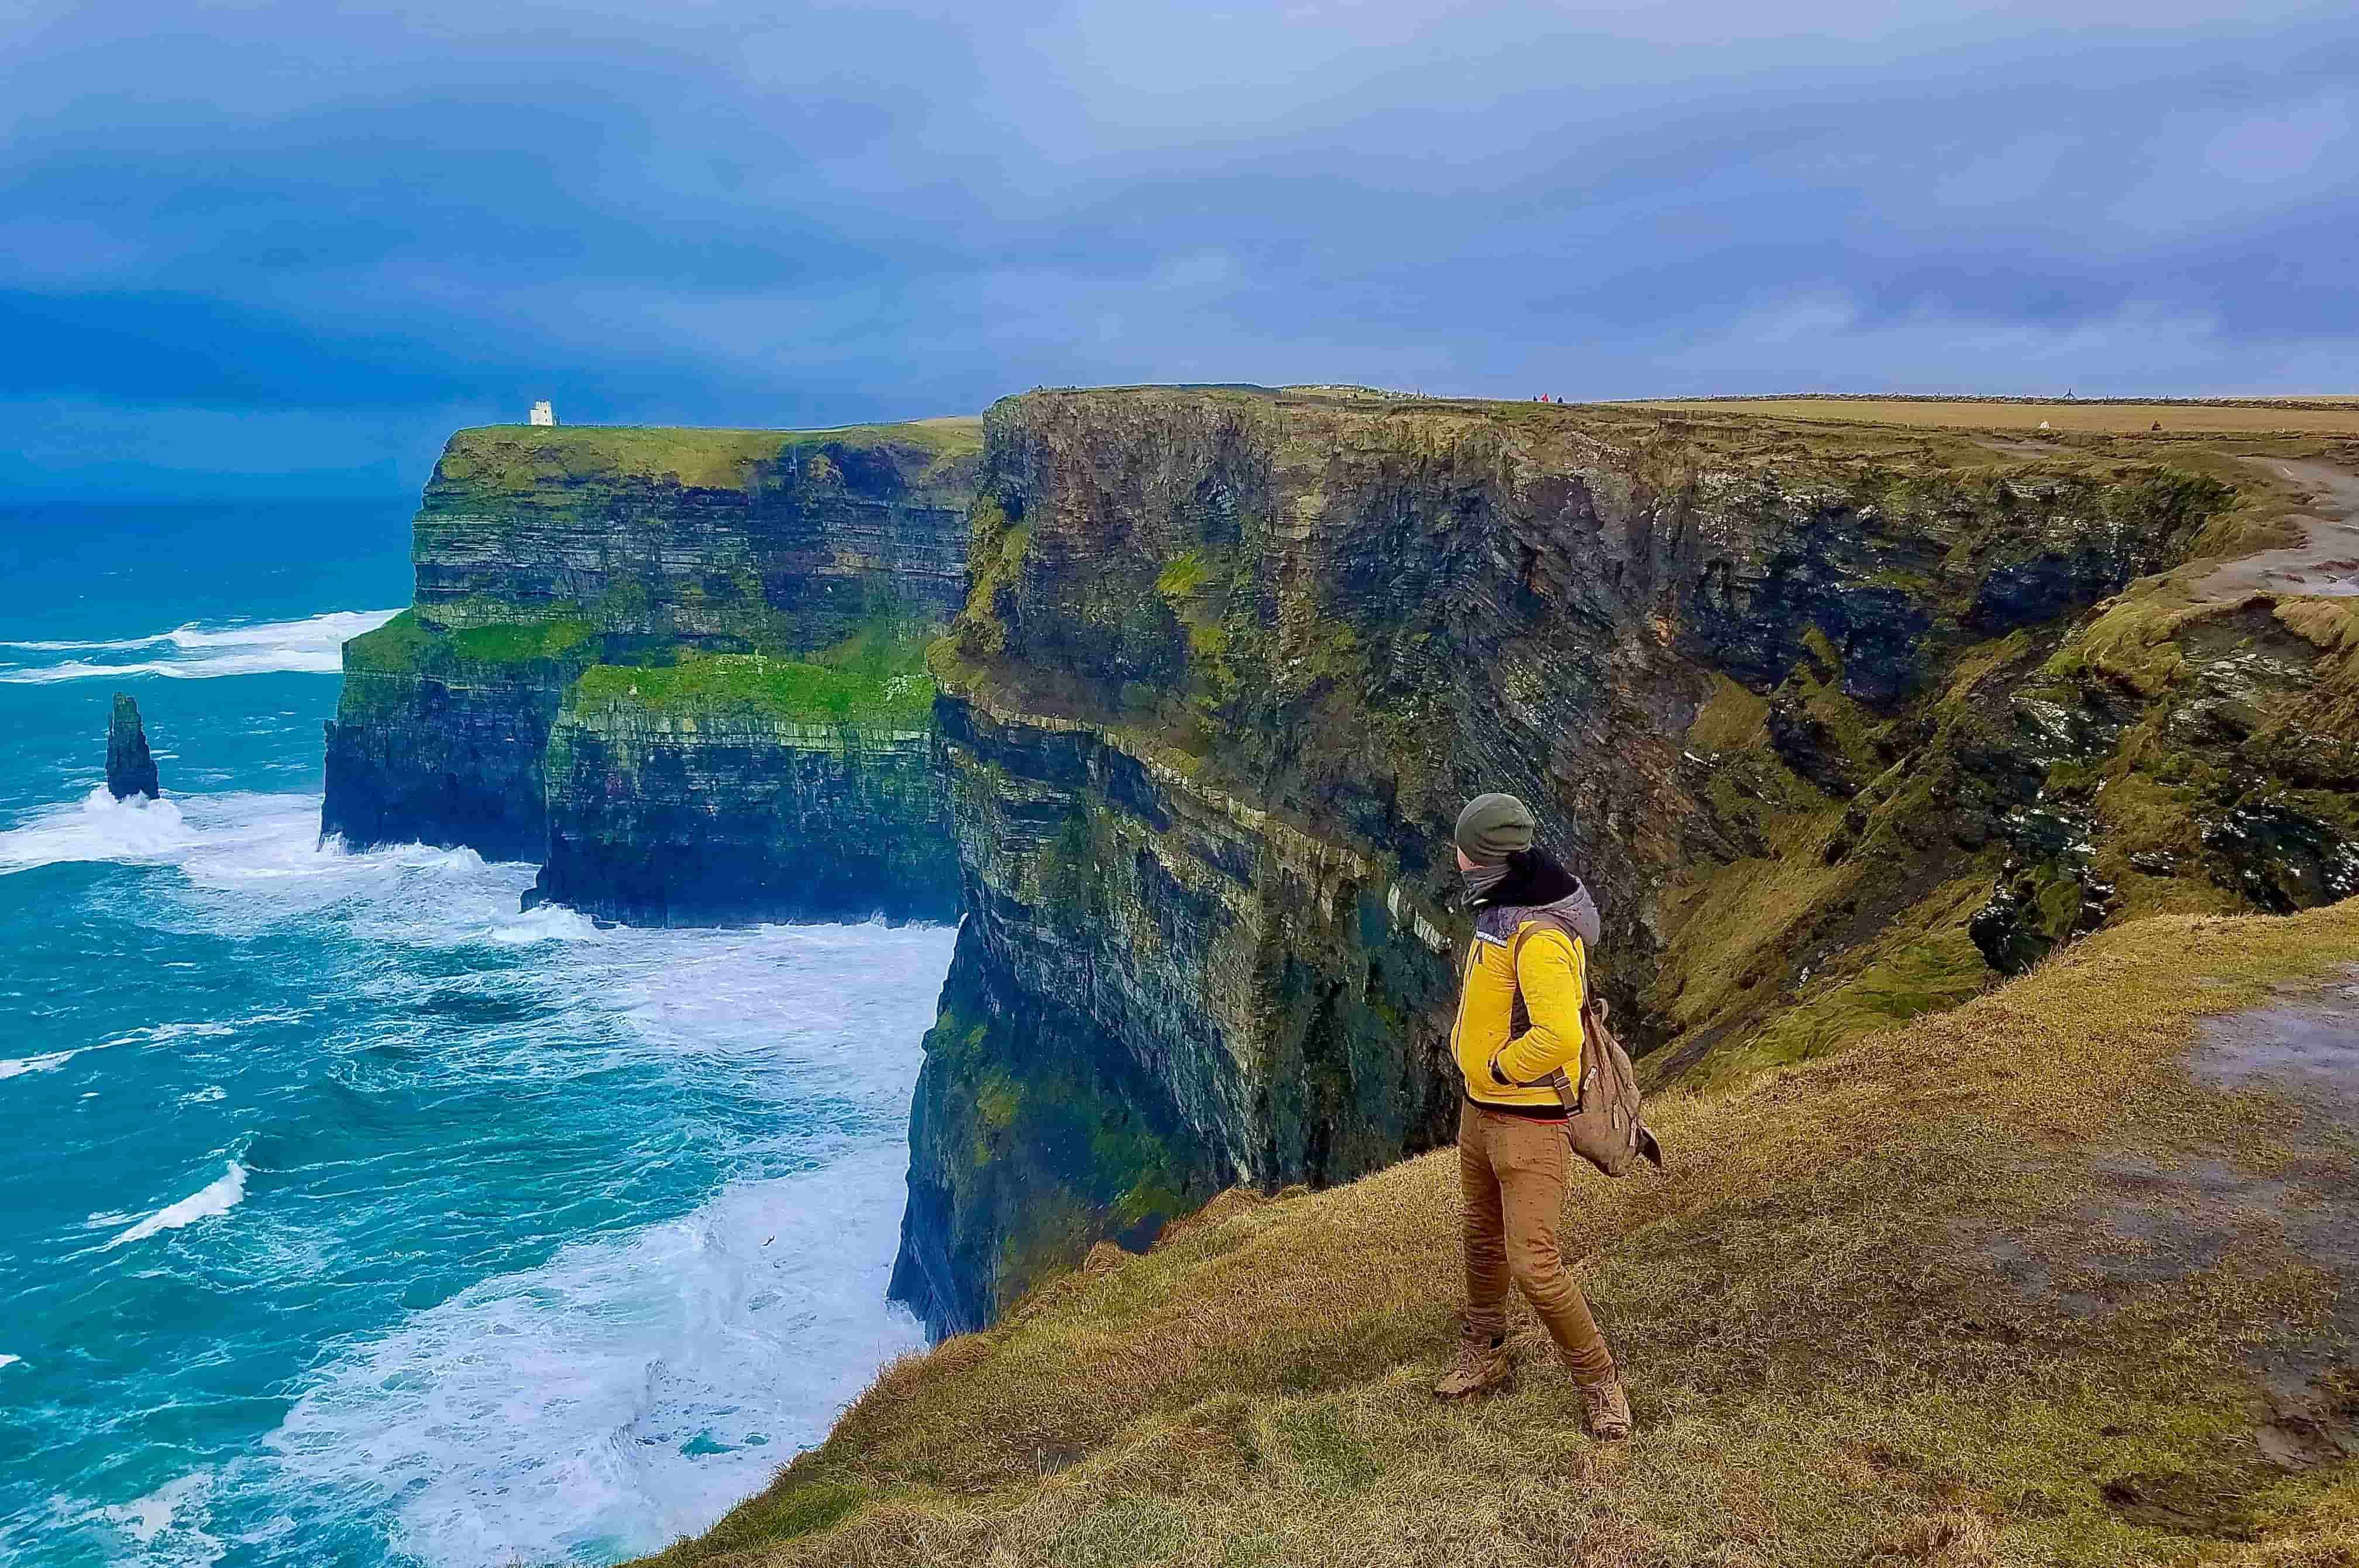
{"type": "Point", "coordinates": [396, 648]}
{"type": "Point", "coordinates": [996, 546]}
{"type": "Point", "coordinates": [794, 690]}
{"type": "Point", "coordinates": [877, 676]}
{"type": "Point", "coordinates": [1924, 962]}
{"type": "Point", "coordinates": [545, 639]}
{"type": "Point", "coordinates": [1062, 1139]}
{"type": "Point", "coordinates": [404, 647]}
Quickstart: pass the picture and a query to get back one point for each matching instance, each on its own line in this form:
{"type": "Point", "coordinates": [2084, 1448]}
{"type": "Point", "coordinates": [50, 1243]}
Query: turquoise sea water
{"type": "Point", "coordinates": [352, 1216]}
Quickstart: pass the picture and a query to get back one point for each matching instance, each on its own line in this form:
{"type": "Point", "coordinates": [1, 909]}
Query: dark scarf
{"type": "Point", "coordinates": [1533, 878]}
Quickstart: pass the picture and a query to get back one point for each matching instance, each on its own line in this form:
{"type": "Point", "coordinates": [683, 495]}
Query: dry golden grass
{"type": "Point", "coordinates": [1881, 1311]}
{"type": "Point", "coordinates": [2307, 416]}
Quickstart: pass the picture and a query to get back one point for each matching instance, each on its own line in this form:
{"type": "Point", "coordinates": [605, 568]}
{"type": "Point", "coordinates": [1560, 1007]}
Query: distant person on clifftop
{"type": "Point", "coordinates": [1519, 1026]}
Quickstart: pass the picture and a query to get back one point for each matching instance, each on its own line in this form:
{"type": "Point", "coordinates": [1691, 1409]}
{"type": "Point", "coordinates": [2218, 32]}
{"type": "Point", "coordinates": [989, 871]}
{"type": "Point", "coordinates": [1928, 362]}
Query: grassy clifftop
{"type": "Point", "coordinates": [2048, 1279]}
{"type": "Point", "coordinates": [2198, 417]}
{"type": "Point", "coordinates": [401, 647]}
{"type": "Point", "coordinates": [527, 457]}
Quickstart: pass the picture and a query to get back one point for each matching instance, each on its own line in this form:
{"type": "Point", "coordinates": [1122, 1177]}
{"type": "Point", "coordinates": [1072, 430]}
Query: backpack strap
{"type": "Point", "coordinates": [1568, 1093]}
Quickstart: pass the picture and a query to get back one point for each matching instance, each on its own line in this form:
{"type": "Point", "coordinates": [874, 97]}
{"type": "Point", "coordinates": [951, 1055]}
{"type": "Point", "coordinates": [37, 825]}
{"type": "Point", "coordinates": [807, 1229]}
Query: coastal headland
{"type": "Point", "coordinates": [1948, 785]}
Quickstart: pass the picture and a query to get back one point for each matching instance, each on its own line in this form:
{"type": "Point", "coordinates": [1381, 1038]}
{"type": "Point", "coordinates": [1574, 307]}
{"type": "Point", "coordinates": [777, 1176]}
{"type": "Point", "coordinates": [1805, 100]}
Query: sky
{"type": "Point", "coordinates": [251, 246]}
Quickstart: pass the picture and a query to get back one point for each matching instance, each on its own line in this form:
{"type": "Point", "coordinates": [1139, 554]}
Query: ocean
{"type": "Point", "coordinates": [352, 1216]}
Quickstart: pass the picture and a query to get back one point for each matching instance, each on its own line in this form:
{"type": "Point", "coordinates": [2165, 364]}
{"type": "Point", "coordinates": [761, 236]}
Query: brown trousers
{"type": "Point", "coordinates": [1512, 1172]}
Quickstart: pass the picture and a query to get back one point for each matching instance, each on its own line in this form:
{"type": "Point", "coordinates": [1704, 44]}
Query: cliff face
{"type": "Point", "coordinates": [1159, 991]}
{"type": "Point", "coordinates": [1232, 661]}
{"type": "Point", "coordinates": [1839, 724]}
{"type": "Point", "coordinates": [732, 539]}
{"type": "Point", "coordinates": [438, 735]}
{"type": "Point", "coordinates": [731, 789]}
{"type": "Point", "coordinates": [549, 556]}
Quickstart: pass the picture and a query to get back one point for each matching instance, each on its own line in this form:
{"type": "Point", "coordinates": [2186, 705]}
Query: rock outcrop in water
{"type": "Point", "coordinates": [665, 663]}
{"type": "Point", "coordinates": [1817, 713]}
{"type": "Point", "coordinates": [130, 768]}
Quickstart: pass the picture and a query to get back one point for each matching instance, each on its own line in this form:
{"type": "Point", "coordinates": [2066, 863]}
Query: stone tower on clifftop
{"type": "Point", "coordinates": [130, 768]}
{"type": "Point", "coordinates": [542, 414]}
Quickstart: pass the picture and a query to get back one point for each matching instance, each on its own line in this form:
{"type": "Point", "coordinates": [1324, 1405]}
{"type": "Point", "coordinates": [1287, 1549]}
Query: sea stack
{"type": "Point", "coordinates": [130, 769]}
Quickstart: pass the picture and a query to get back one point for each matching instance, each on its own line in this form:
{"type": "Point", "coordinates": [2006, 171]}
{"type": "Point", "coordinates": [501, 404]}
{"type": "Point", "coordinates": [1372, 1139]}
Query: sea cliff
{"type": "Point", "coordinates": [684, 615]}
{"type": "Point", "coordinates": [1841, 724]}
{"type": "Point", "coordinates": [732, 789]}
{"type": "Point", "coordinates": [1829, 721]}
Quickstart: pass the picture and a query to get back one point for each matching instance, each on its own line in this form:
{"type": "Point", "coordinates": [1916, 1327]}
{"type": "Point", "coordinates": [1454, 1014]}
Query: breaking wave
{"type": "Point", "coordinates": [215, 1198]}
{"type": "Point", "coordinates": [197, 652]}
{"type": "Point", "coordinates": [97, 827]}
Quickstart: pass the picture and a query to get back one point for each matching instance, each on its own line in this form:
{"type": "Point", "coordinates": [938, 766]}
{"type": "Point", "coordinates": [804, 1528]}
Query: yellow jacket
{"type": "Point", "coordinates": [1502, 1068]}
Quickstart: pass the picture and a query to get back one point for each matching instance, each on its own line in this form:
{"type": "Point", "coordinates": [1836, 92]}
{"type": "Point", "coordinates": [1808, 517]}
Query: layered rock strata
{"type": "Point", "coordinates": [548, 555]}
{"type": "Point", "coordinates": [1231, 661]}
{"type": "Point", "coordinates": [673, 807]}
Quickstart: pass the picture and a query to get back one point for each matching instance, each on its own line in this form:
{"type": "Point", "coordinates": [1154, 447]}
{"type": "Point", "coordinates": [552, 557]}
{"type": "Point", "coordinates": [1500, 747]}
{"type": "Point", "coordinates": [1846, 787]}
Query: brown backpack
{"type": "Point", "coordinates": [1602, 1113]}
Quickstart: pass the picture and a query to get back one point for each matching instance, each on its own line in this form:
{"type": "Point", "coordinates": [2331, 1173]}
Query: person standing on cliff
{"type": "Point", "coordinates": [1518, 1025]}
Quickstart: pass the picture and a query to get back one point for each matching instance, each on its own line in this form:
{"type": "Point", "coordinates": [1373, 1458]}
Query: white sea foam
{"type": "Point", "coordinates": [548, 923]}
{"type": "Point", "coordinates": [612, 1398]}
{"type": "Point", "coordinates": [167, 1524]}
{"type": "Point", "coordinates": [260, 854]}
{"type": "Point", "coordinates": [334, 629]}
{"type": "Point", "coordinates": [154, 1034]}
{"type": "Point", "coordinates": [215, 1198]}
{"type": "Point", "coordinates": [195, 652]}
{"type": "Point", "coordinates": [97, 827]}
{"type": "Point", "coordinates": [628, 1390]}
{"type": "Point", "coordinates": [637, 1386]}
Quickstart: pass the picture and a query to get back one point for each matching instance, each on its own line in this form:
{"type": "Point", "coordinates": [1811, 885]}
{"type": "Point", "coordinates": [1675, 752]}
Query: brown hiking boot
{"type": "Point", "coordinates": [1481, 1365]}
{"type": "Point", "coordinates": [1609, 1409]}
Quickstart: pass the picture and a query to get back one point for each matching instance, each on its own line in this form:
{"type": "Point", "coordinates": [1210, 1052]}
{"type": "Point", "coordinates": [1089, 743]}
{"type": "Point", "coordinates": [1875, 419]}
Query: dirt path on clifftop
{"type": "Point", "coordinates": [2325, 562]}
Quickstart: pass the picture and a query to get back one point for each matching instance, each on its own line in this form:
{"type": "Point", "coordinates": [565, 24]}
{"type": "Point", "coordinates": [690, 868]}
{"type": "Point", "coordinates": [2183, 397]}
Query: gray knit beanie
{"type": "Point", "coordinates": [1493, 827]}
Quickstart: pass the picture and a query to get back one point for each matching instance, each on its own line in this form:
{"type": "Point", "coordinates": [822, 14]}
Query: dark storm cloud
{"type": "Point", "coordinates": [292, 240]}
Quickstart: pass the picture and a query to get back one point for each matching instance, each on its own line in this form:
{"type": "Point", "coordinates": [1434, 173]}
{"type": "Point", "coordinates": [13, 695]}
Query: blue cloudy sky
{"type": "Point", "coordinates": [259, 243]}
